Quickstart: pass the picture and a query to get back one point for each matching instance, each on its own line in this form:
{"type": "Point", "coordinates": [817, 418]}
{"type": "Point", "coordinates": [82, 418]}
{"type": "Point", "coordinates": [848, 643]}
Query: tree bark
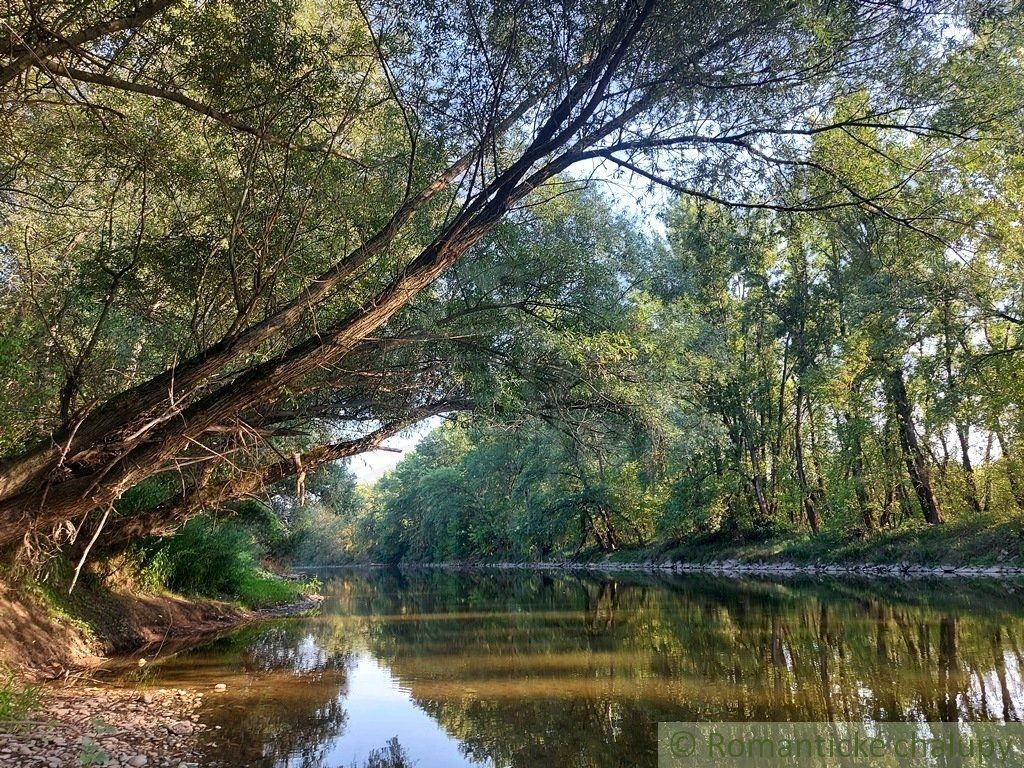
{"type": "Point", "coordinates": [917, 465]}
{"type": "Point", "coordinates": [801, 471]}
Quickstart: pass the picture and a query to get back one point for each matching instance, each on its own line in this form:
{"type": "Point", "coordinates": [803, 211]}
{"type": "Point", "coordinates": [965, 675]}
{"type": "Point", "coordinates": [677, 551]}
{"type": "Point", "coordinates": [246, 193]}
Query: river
{"type": "Point", "coordinates": [564, 669]}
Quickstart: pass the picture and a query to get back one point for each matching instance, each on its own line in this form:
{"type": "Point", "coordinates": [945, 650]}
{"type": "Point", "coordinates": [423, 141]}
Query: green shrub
{"type": "Point", "coordinates": [215, 560]}
{"type": "Point", "coordinates": [263, 523]}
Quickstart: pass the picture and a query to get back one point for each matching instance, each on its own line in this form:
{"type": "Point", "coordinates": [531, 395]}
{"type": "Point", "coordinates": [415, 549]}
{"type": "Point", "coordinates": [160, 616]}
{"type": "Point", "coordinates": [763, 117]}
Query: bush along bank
{"type": "Point", "coordinates": [993, 547]}
{"type": "Point", "coordinates": [207, 578]}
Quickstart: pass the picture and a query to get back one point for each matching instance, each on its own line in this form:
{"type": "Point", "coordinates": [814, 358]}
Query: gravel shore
{"type": "Point", "coordinates": [112, 727]}
{"type": "Point", "coordinates": [742, 568]}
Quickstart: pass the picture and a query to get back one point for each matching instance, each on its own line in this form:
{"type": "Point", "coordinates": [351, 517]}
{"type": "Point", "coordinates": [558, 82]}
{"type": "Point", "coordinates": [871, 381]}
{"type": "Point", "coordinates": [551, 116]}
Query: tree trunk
{"type": "Point", "coordinates": [166, 517]}
{"type": "Point", "coordinates": [142, 409]}
{"type": "Point", "coordinates": [1009, 461]}
{"type": "Point", "coordinates": [801, 472]}
{"type": "Point", "coordinates": [860, 483]}
{"type": "Point", "coordinates": [963, 434]}
{"type": "Point", "coordinates": [917, 465]}
{"type": "Point", "coordinates": [757, 482]}
{"type": "Point", "coordinates": [119, 452]}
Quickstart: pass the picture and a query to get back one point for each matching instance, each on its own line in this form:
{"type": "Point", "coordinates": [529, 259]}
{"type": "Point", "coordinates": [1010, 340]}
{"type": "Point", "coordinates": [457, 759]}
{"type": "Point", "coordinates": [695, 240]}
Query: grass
{"type": "Point", "coordinates": [221, 560]}
{"type": "Point", "coordinates": [261, 590]}
{"type": "Point", "coordinates": [17, 699]}
{"type": "Point", "coordinates": [966, 541]}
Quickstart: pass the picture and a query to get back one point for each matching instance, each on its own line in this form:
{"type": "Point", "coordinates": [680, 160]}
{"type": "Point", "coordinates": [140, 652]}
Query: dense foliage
{"type": "Point", "coordinates": [766, 376]}
{"type": "Point", "coordinates": [219, 559]}
{"type": "Point", "coordinates": [241, 240]}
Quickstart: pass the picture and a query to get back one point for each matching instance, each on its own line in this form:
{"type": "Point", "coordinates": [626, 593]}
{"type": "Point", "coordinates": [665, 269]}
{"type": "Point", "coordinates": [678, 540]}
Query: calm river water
{"type": "Point", "coordinates": [559, 670]}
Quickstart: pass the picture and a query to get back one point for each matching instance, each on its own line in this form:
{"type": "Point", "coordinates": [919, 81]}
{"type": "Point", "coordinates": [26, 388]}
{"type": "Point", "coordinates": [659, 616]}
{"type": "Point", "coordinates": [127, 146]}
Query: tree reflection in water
{"type": "Point", "coordinates": [391, 755]}
{"type": "Point", "coordinates": [539, 669]}
{"type": "Point", "coordinates": [284, 702]}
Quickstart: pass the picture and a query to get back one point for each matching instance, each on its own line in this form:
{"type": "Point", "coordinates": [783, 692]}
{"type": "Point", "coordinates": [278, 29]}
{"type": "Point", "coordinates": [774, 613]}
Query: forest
{"type": "Point", "coordinates": [758, 377]}
{"type": "Point", "coordinates": [661, 270]}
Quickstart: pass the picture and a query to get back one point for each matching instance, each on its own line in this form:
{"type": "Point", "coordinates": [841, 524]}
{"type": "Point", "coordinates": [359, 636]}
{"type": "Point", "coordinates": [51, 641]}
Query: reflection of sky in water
{"type": "Point", "coordinates": [309, 657]}
{"type": "Point", "coordinates": [379, 708]}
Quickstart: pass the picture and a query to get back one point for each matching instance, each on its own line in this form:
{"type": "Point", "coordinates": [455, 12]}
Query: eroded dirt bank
{"type": "Point", "coordinates": [43, 640]}
{"type": "Point", "coordinates": [57, 643]}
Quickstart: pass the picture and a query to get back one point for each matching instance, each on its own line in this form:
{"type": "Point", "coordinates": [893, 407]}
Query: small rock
{"type": "Point", "coordinates": [138, 761]}
{"type": "Point", "coordinates": [184, 728]}
{"type": "Point", "coordinates": [220, 687]}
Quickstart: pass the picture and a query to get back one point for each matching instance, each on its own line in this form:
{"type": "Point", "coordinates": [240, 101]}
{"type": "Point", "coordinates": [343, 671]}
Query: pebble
{"type": "Point", "coordinates": [119, 726]}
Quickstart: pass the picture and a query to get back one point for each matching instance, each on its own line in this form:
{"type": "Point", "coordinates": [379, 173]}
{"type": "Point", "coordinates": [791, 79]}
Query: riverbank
{"type": "Point", "coordinates": [46, 635]}
{"type": "Point", "coordinates": [40, 647]}
{"type": "Point", "coordinates": [64, 721]}
{"type": "Point", "coordinates": [984, 549]}
{"type": "Point", "coordinates": [50, 632]}
{"type": "Point", "coordinates": [53, 644]}
{"type": "Point", "coordinates": [739, 568]}
{"type": "Point", "coordinates": [992, 542]}
{"type": "Point", "coordinates": [90, 725]}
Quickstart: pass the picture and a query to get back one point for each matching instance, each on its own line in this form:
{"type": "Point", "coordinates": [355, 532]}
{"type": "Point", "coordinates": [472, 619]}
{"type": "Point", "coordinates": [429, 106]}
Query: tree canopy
{"type": "Point", "coordinates": [242, 240]}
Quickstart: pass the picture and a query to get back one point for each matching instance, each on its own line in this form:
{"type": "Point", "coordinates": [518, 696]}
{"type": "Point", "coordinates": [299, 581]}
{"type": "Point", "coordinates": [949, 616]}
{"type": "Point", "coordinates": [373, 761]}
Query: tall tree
{"type": "Point", "coordinates": [340, 158]}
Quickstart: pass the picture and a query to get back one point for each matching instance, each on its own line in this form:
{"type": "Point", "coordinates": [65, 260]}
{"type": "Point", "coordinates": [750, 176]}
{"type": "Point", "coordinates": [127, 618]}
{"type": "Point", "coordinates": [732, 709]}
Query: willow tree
{"type": "Point", "coordinates": [215, 212]}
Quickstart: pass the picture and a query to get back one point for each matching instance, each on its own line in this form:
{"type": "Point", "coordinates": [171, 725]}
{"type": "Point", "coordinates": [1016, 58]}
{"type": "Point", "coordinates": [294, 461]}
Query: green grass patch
{"type": "Point", "coordinates": [260, 590]}
{"type": "Point", "coordinates": [17, 698]}
{"type": "Point", "coordinates": [210, 559]}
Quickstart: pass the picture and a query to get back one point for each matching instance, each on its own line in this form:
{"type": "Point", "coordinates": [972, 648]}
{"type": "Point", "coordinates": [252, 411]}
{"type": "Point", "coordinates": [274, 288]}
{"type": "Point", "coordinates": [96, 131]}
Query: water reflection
{"type": "Point", "coordinates": [537, 669]}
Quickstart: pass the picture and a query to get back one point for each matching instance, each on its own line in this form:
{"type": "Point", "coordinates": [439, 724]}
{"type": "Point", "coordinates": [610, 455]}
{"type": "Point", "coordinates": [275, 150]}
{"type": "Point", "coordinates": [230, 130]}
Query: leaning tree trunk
{"type": "Point", "coordinates": [133, 415]}
{"type": "Point", "coordinates": [166, 517]}
{"type": "Point", "coordinates": [34, 498]}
